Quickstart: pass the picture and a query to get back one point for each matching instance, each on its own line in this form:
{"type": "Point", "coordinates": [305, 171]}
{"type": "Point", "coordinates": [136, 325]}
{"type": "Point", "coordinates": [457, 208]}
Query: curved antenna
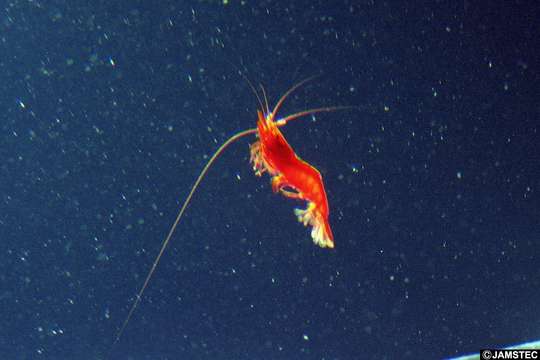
{"type": "Point", "coordinates": [293, 88]}
{"type": "Point", "coordinates": [267, 110]}
{"type": "Point", "coordinates": [286, 119]}
{"type": "Point", "coordinates": [250, 84]}
{"type": "Point", "coordinates": [175, 224]}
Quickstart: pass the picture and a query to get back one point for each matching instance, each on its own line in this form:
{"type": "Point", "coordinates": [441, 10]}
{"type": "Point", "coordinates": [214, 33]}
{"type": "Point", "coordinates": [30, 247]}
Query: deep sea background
{"type": "Point", "coordinates": [109, 110]}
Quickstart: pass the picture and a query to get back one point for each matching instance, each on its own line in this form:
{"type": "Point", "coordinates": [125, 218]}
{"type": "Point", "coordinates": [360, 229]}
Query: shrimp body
{"type": "Point", "coordinates": [292, 177]}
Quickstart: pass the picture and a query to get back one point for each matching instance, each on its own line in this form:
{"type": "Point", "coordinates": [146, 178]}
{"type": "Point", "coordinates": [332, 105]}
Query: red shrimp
{"type": "Point", "coordinates": [291, 176]}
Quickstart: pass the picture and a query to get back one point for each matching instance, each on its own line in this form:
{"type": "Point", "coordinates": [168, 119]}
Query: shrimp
{"type": "Point", "coordinates": [291, 176]}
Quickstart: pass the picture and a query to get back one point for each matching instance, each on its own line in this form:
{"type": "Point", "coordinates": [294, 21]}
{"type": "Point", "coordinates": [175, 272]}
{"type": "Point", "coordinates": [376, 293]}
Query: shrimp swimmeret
{"type": "Point", "coordinates": [291, 176]}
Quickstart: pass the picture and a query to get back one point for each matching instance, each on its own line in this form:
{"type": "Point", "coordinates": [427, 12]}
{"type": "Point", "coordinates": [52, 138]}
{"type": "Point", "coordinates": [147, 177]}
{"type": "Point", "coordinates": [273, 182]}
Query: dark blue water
{"type": "Point", "coordinates": [111, 108]}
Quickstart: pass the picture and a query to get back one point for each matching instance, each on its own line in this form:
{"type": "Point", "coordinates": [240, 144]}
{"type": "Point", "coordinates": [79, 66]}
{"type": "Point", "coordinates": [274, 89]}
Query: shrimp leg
{"type": "Point", "coordinates": [291, 194]}
{"type": "Point", "coordinates": [279, 185]}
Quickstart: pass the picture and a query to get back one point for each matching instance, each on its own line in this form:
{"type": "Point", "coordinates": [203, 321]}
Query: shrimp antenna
{"type": "Point", "coordinates": [293, 88]}
{"type": "Point", "coordinates": [174, 226]}
{"type": "Point", "coordinates": [254, 90]}
{"type": "Point", "coordinates": [286, 119]}
{"type": "Point", "coordinates": [267, 110]}
{"type": "Point", "coordinates": [250, 84]}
